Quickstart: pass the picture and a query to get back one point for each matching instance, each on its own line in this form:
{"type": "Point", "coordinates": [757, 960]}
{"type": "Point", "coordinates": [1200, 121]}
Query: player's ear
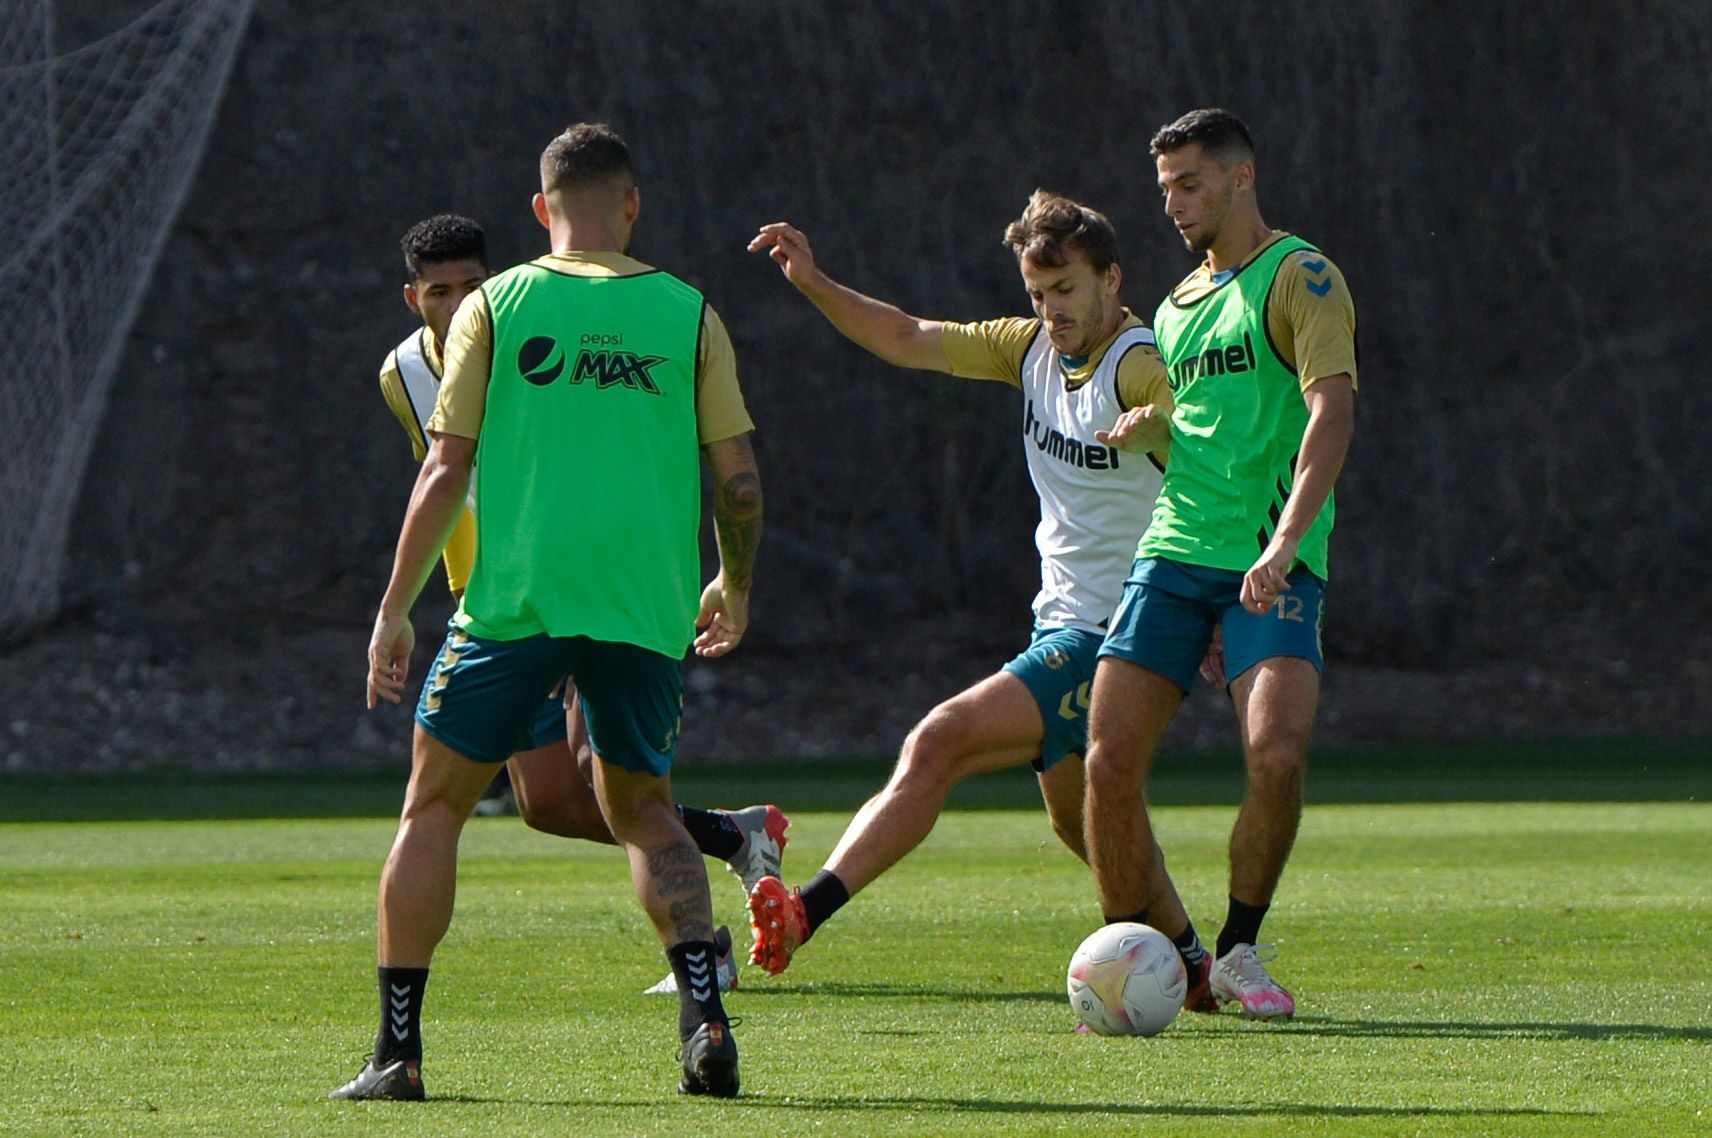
{"type": "Point", "coordinates": [1243, 176]}
{"type": "Point", "coordinates": [539, 204]}
{"type": "Point", "coordinates": [632, 204]}
{"type": "Point", "coordinates": [1114, 278]}
{"type": "Point", "coordinates": [411, 300]}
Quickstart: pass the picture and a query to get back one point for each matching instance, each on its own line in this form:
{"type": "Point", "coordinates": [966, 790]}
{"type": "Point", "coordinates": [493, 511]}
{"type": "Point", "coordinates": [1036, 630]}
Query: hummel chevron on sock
{"type": "Point", "coordinates": [1190, 948]}
{"type": "Point", "coordinates": [695, 963]}
{"type": "Point", "coordinates": [400, 1014]}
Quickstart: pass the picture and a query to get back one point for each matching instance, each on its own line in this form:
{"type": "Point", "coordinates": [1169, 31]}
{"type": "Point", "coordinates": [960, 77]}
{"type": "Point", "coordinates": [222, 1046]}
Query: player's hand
{"type": "Point", "coordinates": [788, 246]}
{"type": "Point", "coordinates": [723, 619]}
{"type": "Point", "coordinates": [389, 658]}
{"type": "Point", "coordinates": [1213, 665]}
{"type": "Point", "coordinates": [1139, 429]}
{"type": "Point", "coordinates": [1266, 581]}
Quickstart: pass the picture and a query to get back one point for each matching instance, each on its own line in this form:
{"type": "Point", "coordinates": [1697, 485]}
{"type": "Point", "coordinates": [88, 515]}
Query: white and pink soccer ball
{"type": "Point", "coordinates": [1127, 979]}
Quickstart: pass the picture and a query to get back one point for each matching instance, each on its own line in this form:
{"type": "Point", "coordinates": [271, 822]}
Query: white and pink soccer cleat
{"type": "Point", "coordinates": [1240, 975]}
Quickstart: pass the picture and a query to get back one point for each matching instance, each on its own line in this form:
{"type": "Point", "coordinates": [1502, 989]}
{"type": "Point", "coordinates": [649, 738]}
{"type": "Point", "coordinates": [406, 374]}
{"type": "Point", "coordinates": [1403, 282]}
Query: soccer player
{"type": "Point", "coordinates": [1078, 363]}
{"type": "Point", "coordinates": [1259, 342]}
{"type": "Point", "coordinates": [585, 384]}
{"type": "Point", "coordinates": [445, 260]}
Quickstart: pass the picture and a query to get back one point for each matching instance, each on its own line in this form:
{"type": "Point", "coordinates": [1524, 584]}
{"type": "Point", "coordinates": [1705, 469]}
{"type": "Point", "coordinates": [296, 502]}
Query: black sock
{"type": "Point", "coordinates": [712, 831]}
{"type": "Point", "coordinates": [823, 896]}
{"type": "Point", "coordinates": [1190, 948]}
{"type": "Point", "coordinates": [400, 1015]}
{"type": "Point", "coordinates": [695, 963]}
{"type": "Point", "coordinates": [1242, 925]}
{"type": "Point", "coordinates": [1136, 918]}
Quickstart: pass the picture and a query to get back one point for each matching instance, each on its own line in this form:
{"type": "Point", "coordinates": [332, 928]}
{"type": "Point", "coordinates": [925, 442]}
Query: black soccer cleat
{"type": "Point", "coordinates": [399, 1080]}
{"type": "Point", "coordinates": [710, 1062]}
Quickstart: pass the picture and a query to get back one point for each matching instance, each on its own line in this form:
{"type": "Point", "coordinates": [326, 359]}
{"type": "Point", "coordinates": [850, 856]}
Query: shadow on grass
{"type": "Point", "coordinates": [927, 1104]}
{"type": "Point", "coordinates": [1427, 1029]}
{"type": "Point", "coordinates": [841, 988]}
{"type": "Point", "coordinates": [1160, 1110]}
{"type": "Point", "coordinates": [1302, 1025]}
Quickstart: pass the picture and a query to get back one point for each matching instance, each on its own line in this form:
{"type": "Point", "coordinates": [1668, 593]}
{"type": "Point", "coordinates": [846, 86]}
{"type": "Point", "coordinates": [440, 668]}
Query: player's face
{"type": "Point", "coordinates": [436, 294]}
{"type": "Point", "coordinates": [1075, 302]}
{"type": "Point", "coordinates": [1200, 194]}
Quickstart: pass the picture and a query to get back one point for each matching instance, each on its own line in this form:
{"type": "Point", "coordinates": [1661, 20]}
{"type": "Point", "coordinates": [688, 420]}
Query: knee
{"type": "Point", "coordinates": [932, 749]}
{"type": "Point", "coordinates": [1109, 770]}
{"type": "Point", "coordinates": [1277, 763]}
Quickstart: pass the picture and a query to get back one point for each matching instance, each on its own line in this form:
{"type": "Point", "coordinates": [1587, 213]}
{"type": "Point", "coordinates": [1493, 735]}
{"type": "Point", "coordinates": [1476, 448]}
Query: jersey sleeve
{"type": "Point", "coordinates": [460, 551]}
{"type": "Point", "coordinates": [1311, 317]}
{"type": "Point", "coordinates": [392, 389]}
{"type": "Point", "coordinates": [989, 349]}
{"type": "Point", "coordinates": [468, 367]}
{"type": "Point", "coordinates": [1141, 380]}
{"type": "Point", "coordinates": [720, 413]}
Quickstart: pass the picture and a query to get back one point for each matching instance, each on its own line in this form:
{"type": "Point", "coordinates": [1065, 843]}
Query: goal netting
{"type": "Point", "coordinates": [98, 143]}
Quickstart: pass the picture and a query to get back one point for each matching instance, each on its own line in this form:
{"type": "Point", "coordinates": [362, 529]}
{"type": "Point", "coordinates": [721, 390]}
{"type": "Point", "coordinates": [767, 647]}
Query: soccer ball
{"type": "Point", "coordinates": [1127, 979]}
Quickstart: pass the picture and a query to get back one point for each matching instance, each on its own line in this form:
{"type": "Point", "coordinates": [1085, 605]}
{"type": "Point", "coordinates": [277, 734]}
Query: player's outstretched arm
{"type": "Point", "coordinates": [1325, 442]}
{"type": "Point", "coordinates": [434, 506]}
{"type": "Point", "coordinates": [724, 615]}
{"type": "Point", "coordinates": [884, 329]}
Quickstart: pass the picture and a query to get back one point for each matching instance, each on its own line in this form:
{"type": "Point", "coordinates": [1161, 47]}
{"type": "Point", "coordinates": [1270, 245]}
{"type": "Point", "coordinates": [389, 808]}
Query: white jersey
{"type": "Point", "coordinates": [421, 383]}
{"type": "Point", "coordinates": [1094, 500]}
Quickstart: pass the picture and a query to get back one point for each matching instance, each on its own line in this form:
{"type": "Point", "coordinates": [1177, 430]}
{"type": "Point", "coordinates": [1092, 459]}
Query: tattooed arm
{"type": "Point", "coordinates": [737, 524]}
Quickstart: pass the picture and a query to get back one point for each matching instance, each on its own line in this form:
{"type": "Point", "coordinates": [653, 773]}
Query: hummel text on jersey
{"type": "Point", "coordinates": [1220, 359]}
{"type": "Point", "coordinates": [1052, 441]}
{"type": "Point", "coordinates": [609, 368]}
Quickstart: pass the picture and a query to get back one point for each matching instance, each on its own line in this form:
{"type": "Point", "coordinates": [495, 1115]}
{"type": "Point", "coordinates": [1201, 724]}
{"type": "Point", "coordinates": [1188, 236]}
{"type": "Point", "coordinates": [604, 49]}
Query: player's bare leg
{"type": "Point", "coordinates": [1064, 789]}
{"type": "Point", "coordinates": [417, 888]}
{"type": "Point", "coordinates": [671, 882]}
{"type": "Point", "coordinates": [1275, 701]}
{"type": "Point", "coordinates": [419, 881]}
{"type": "Point", "coordinates": [665, 866]}
{"type": "Point", "coordinates": [990, 726]}
{"type": "Point", "coordinates": [1130, 711]}
{"type": "Point", "coordinates": [553, 794]}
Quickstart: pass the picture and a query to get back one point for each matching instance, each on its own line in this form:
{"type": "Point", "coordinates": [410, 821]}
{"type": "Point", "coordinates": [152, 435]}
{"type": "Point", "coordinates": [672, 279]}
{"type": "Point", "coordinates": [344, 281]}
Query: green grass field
{"type": "Point", "coordinates": [1480, 944]}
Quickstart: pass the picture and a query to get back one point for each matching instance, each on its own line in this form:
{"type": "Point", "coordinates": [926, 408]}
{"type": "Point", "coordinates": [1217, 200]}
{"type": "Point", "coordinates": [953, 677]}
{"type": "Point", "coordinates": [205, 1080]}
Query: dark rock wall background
{"type": "Point", "coordinates": [1518, 201]}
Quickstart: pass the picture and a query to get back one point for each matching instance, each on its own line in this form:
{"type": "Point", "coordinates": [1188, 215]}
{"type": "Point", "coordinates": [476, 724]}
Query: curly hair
{"type": "Point", "coordinates": [441, 238]}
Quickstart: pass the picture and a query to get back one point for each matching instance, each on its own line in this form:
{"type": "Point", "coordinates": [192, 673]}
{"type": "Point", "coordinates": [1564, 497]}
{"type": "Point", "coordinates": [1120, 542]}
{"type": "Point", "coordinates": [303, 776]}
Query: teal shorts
{"type": "Point", "coordinates": [485, 699]}
{"type": "Point", "coordinates": [550, 726]}
{"type": "Point", "coordinates": [1058, 670]}
{"type": "Point", "coordinates": [1168, 611]}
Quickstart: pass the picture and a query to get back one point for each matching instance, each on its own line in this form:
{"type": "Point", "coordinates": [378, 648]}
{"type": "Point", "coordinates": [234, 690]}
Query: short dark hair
{"type": "Point", "coordinates": [1053, 228]}
{"type": "Point", "coordinates": [586, 154]}
{"type": "Point", "coordinates": [1220, 133]}
{"type": "Point", "coordinates": [441, 238]}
